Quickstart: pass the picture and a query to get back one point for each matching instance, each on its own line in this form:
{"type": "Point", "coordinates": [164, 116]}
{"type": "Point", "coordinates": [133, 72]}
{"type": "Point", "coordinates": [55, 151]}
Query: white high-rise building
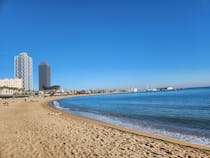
{"type": "Point", "coordinates": [24, 70]}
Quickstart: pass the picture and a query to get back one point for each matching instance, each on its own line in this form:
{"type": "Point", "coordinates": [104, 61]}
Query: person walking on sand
{"type": "Point", "coordinates": [5, 103]}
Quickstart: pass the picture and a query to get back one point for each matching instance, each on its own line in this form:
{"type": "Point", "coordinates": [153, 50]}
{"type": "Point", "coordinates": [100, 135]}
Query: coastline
{"type": "Point", "coordinates": [35, 129]}
{"type": "Point", "coordinates": [132, 131]}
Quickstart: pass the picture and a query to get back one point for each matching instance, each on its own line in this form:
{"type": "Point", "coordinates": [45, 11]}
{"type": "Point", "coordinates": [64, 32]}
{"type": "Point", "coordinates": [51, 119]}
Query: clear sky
{"type": "Point", "coordinates": [109, 43]}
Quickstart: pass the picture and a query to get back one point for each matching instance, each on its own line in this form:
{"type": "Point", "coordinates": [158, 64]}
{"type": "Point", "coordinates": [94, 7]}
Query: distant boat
{"type": "Point", "coordinates": [170, 88]}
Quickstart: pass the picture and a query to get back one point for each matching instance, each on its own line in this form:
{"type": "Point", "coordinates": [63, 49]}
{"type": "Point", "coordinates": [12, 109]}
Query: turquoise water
{"type": "Point", "coordinates": [182, 114]}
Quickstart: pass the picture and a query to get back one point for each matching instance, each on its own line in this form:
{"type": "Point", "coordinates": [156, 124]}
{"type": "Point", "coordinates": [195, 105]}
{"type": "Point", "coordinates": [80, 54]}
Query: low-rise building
{"type": "Point", "coordinates": [10, 86]}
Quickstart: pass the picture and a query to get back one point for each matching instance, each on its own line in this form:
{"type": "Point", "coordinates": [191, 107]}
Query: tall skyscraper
{"type": "Point", "coordinates": [23, 66]}
{"type": "Point", "coordinates": [44, 75]}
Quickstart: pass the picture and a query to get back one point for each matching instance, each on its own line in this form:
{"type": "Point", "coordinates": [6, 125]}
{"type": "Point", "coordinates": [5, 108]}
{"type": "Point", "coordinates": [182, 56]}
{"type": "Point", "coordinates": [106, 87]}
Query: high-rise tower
{"type": "Point", "coordinates": [44, 76]}
{"type": "Point", "coordinates": [23, 69]}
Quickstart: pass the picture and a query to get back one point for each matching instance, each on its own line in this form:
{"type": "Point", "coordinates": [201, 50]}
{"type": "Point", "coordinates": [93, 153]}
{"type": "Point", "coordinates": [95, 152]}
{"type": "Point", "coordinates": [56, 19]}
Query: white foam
{"type": "Point", "coordinates": [57, 105]}
{"type": "Point", "coordinates": [139, 125]}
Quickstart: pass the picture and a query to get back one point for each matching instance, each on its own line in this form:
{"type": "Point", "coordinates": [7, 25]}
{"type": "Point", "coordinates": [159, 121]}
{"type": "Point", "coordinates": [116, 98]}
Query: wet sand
{"type": "Point", "coordinates": [33, 129]}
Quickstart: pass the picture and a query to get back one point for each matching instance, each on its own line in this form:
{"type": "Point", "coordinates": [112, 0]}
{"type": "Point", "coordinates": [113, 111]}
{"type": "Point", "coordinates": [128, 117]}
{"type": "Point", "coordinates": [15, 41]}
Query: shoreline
{"type": "Point", "coordinates": [34, 129]}
{"type": "Point", "coordinates": [133, 131]}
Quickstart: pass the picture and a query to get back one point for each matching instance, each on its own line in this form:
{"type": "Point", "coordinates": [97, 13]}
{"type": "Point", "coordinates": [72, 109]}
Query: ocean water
{"type": "Point", "coordinates": [181, 114]}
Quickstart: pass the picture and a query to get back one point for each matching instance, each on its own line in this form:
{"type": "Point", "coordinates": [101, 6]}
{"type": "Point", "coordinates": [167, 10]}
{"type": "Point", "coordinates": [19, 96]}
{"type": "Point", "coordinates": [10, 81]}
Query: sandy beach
{"type": "Point", "coordinates": [33, 129]}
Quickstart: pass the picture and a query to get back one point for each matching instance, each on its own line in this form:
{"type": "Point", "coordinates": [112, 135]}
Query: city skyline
{"type": "Point", "coordinates": [112, 44]}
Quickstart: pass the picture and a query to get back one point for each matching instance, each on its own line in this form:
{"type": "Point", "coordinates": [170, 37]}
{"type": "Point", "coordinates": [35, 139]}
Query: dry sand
{"type": "Point", "coordinates": [33, 129]}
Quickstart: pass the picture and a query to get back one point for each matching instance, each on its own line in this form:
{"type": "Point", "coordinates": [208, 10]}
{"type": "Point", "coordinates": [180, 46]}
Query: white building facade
{"type": "Point", "coordinates": [23, 69]}
{"type": "Point", "coordinates": [10, 86]}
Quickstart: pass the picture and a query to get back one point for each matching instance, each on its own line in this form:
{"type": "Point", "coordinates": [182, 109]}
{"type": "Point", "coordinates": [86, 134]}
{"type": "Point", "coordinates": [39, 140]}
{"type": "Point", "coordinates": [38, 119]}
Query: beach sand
{"type": "Point", "coordinates": [33, 129]}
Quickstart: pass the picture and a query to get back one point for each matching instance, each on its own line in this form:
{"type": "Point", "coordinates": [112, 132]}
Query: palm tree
{"type": "Point", "coordinates": [9, 88]}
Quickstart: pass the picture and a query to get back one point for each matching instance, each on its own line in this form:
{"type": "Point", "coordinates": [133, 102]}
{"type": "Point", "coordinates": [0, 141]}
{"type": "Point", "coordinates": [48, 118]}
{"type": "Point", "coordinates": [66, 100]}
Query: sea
{"type": "Point", "coordinates": [180, 114]}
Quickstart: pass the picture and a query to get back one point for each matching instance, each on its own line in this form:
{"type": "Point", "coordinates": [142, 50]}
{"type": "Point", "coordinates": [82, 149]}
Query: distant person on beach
{"type": "Point", "coordinates": [6, 103]}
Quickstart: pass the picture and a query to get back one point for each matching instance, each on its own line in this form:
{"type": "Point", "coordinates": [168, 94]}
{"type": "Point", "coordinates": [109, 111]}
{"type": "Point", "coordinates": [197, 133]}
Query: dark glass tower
{"type": "Point", "coordinates": [44, 76]}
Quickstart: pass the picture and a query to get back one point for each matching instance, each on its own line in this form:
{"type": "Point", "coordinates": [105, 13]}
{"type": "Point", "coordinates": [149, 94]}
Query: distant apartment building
{"type": "Point", "coordinates": [44, 76]}
{"type": "Point", "coordinates": [10, 86]}
{"type": "Point", "coordinates": [23, 69]}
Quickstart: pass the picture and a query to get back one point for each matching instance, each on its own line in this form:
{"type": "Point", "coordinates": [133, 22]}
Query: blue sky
{"type": "Point", "coordinates": [109, 43]}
